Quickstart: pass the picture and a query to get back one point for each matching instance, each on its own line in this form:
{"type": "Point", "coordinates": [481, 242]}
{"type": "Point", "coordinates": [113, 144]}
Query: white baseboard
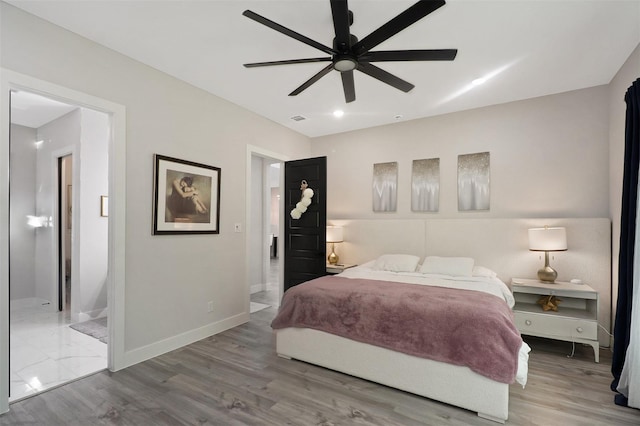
{"type": "Point", "coordinates": [98, 313]}
{"type": "Point", "coordinates": [163, 346]}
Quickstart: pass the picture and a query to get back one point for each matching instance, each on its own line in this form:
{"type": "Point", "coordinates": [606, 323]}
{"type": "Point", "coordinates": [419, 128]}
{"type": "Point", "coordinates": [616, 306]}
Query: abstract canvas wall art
{"type": "Point", "coordinates": [385, 187]}
{"type": "Point", "coordinates": [425, 185]}
{"type": "Point", "coordinates": [474, 188]}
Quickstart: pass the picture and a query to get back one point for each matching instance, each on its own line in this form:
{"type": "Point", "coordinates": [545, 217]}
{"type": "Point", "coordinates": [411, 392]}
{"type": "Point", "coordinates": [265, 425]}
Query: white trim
{"type": "Point", "coordinates": [265, 208]}
{"type": "Point", "coordinates": [92, 315]}
{"type": "Point", "coordinates": [176, 342]}
{"type": "Point", "coordinates": [264, 153]}
{"type": "Point", "coordinates": [11, 80]}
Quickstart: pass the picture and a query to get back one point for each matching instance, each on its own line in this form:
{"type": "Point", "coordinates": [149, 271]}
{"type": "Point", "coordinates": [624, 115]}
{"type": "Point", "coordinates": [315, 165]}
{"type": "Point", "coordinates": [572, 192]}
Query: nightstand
{"type": "Point", "coordinates": [337, 268]}
{"type": "Point", "coordinates": [575, 321]}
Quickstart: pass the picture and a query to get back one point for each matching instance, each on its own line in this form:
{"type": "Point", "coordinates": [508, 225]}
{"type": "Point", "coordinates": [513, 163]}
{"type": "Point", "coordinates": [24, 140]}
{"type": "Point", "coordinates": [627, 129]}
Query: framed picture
{"type": "Point", "coordinates": [425, 185]}
{"type": "Point", "coordinates": [474, 181]}
{"type": "Point", "coordinates": [104, 206]}
{"type": "Point", "coordinates": [385, 187]}
{"type": "Point", "coordinates": [186, 197]}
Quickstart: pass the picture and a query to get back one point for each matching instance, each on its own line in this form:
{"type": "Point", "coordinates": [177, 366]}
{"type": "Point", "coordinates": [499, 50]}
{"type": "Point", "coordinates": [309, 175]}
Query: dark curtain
{"type": "Point", "coordinates": [622, 327]}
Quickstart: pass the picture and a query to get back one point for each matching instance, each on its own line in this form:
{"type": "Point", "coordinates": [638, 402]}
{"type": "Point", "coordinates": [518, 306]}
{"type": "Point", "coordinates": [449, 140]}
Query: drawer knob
{"type": "Point", "coordinates": [528, 322]}
{"type": "Point", "coordinates": [579, 329]}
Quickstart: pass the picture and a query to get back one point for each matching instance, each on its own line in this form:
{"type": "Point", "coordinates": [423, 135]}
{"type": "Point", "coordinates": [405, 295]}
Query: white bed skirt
{"type": "Point", "coordinates": [443, 382]}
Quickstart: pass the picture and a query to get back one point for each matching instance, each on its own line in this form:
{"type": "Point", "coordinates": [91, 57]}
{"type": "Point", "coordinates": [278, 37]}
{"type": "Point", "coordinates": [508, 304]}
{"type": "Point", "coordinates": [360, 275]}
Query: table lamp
{"type": "Point", "coordinates": [547, 239]}
{"type": "Point", "coordinates": [334, 235]}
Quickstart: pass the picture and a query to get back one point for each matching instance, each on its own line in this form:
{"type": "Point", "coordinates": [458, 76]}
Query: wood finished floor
{"type": "Point", "coordinates": [235, 378]}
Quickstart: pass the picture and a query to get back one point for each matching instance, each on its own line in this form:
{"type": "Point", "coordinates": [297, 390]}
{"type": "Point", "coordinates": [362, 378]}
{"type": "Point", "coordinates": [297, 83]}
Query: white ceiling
{"type": "Point", "coordinates": [31, 110]}
{"type": "Point", "coordinates": [530, 48]}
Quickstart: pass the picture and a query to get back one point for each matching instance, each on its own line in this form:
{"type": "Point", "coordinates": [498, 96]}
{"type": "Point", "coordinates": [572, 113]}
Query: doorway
{"type": "Point", "coordinates": [65, 213]}
{"type": "Point", "coordinates": [264, 229]}
{"type": "Point", "coordinates": [305, 232]}
{"type": "Point", "coordinates": [51, 341]}
{"type": "Point", "coordinates": [116, 278]}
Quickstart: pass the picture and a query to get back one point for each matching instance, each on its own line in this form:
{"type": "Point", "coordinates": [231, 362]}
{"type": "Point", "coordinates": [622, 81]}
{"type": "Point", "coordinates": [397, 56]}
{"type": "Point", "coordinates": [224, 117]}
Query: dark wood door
{"type": "Point", "coordinates": [305, 238]}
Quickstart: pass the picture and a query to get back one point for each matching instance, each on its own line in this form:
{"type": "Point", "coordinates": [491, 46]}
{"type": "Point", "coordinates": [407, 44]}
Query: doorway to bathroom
{"type": "Point", "coordinates": [56, 295]}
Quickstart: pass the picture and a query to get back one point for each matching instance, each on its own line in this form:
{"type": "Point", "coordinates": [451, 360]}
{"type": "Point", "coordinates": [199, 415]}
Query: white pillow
{"type": "Point", "coordinates": [481, 271]}
{"type": "Point", "coordinates": [396, 263]}
{"type": "Point", "coordinates": [454, 266]}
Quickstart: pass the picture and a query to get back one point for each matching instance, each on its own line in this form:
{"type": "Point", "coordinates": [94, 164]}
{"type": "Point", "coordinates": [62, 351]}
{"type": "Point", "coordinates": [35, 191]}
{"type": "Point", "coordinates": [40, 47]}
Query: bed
{"type": "Point", "coordinates": [400, 342]}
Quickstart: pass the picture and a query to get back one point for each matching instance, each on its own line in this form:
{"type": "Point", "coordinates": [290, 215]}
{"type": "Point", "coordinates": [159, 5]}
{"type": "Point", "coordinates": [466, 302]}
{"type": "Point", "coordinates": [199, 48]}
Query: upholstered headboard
{"type": "Point", "coordinates": [499, 244]}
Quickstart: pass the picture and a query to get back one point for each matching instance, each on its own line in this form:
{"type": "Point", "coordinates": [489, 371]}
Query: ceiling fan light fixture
{"type": "Point", "coordinates": [344, 63]}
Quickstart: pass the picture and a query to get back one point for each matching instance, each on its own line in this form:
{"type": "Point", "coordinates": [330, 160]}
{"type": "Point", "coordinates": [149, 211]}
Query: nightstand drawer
{"type": "Point", "coordinates": [550, 325]}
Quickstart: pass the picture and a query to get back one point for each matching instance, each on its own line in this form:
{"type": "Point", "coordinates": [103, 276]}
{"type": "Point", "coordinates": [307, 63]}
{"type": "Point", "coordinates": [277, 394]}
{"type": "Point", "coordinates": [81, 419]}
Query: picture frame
{"type": "Point", "coordinates": [425, 185]}
{"type": "Point", "coordinates": [186, 197]}
{"type": "Point", "coordinates": [474, 181]}
{"type": "Point", "coordinates": [385, 187]}
{"type": "Point", "coordinates": [104, 206]}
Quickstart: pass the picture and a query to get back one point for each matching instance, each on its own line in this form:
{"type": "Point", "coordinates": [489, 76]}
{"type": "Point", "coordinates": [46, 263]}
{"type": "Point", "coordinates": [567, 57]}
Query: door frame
{"type": "Point", "coordinates": [58, 236]}
{"type": "Point", "coordinates": [11, 80]}
{"type": "Point", "coordinates": [257, 151]}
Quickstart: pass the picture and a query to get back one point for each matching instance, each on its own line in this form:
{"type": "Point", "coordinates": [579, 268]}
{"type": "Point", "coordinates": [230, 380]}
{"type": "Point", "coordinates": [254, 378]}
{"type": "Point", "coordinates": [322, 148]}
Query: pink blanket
{"type": "Point", "coordinates": [461, 327]}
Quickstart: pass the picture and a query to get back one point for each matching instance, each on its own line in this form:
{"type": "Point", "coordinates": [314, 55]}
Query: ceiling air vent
{"type": "Point", "coordinates": [298, 118]}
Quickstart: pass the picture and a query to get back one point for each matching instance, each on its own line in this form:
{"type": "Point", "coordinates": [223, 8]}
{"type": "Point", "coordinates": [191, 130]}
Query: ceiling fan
{"type": "Point", "coordinates": [349, 54]}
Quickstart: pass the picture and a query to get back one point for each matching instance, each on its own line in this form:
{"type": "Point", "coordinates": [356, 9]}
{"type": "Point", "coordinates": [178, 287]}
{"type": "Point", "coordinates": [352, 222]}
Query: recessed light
{"type": "Point", "coordinates": [338, 113]}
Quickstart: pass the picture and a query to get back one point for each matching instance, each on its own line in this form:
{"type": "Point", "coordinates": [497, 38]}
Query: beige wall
{"type": "Point", "coordinates": [548, 158]}
{"type": "Point", "coordinates": [169, 279]}
{"type": "Point", "coordinates": [629, 72]}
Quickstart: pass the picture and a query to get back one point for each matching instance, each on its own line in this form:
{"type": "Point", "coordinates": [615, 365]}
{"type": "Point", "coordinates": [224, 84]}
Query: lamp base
{"type": "Point", "coordinates": [333, 258]}
{"type": "Point", "coordinates": [547, 274]}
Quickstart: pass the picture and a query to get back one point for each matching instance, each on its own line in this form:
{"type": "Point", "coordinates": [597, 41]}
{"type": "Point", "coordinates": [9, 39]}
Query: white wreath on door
{"type": "Point", "coordinates": [305, 201]}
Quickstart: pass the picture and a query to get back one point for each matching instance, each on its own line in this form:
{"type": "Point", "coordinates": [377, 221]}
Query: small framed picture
{"type": "Point", "coordinates": [186, 197]}
{"type": "Point", "coordinates": [104, 206]}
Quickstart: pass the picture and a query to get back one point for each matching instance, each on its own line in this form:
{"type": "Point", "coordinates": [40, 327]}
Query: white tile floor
{"type": "Point", "coordinates": [45, 352]}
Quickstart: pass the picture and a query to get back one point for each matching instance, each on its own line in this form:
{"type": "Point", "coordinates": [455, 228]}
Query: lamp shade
{"type": "Point", "coordinates": [548, 239]}
{"type": "Point", "coordinates": [334, 234]}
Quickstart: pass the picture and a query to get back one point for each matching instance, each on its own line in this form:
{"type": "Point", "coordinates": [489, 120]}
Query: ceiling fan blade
{"type": "Point", "coordinates": [312, 80]}
{"type": "Point", "coordinates": [349, 87]}
{"type": "Point", "coordinates": [286, 62]}
{"type": "Point", "coordinates": [385, 77]}
{"type": "Point", "coordinates": [409, 55]}
{"type": "Point", "coordinates": [286, 31]}
{"type": "Point", "coordinates": [340, 12]}
{"type": "Point", "coordinates": [397, 24]}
